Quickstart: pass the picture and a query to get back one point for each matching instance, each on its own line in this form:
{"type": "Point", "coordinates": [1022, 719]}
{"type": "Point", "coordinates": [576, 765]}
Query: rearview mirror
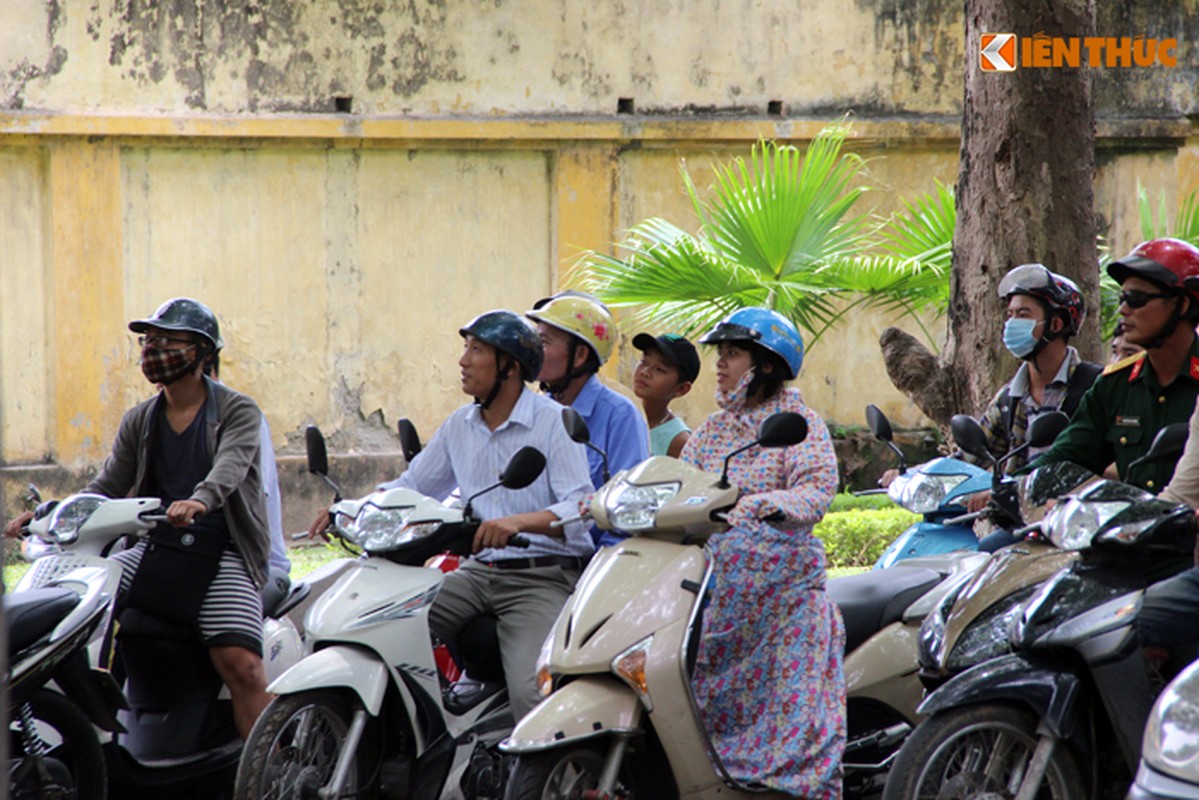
{"type": "Point", "coordinates": [969, 436]}
{"type": "Point", "coordinates": [525, 466]}
{"type": "Point", "coordinates": [318, 458]}
{"type": "Point", "coordinates": [576, 427]}
{"type": "Point", "coordinates": [409, 439]}
{"type": "Point", "coordinates": [1043, 430]}
{"type": "Point", "coordinates": [880, 426]}
{"type": "Point", "coordinates": [1167, 445]}
{"type": "Point", "coordinates": [778, 430]}
{"type": "Point", "coordinates": [783, 430]}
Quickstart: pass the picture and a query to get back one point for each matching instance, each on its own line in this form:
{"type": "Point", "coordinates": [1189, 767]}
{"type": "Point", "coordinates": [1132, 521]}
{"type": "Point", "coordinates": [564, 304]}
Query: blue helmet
{"type": "Point", "coordinates": [764, 327]}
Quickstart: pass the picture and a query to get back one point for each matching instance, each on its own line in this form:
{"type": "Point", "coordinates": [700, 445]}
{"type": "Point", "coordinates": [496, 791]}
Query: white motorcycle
{"type": "Point", "coordinates": [365, 713]}
{"type": "Point", "coordinates": [55, 749]}
{"type": "Point", "coordinates": [173, 732]}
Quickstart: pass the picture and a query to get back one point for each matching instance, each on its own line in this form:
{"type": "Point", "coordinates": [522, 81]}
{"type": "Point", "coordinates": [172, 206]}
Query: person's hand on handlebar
{"type": "Point", "coordinates": [320, 525]}
{"type": "Point", "coordinates": [496, 533]}
{"type": "Point", "coordinates": [182, 513]}
{"type": "Point", "coordinates": [978, 501]}
{"type": "Point", "coordinates": [13, 529]}
{"type": "Point", "coordinates": [888, 477]}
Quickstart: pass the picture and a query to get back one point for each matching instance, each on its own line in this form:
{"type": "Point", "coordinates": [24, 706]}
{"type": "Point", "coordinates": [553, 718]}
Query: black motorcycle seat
{"type": "Point", "coordinates": [873, 600]}
{"type": "Point", "coordinates": [33, 614]}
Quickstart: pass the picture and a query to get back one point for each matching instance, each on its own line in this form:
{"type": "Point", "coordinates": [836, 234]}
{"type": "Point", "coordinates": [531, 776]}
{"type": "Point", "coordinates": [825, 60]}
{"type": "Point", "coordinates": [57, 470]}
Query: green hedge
{"type": "Point", "coordinates": [858, 538]}
{"type": "Point", "coordinates": [846, 501]}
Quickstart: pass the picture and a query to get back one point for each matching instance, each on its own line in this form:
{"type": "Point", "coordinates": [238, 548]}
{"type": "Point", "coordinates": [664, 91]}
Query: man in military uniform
{"type": "Point", "coordinates": [1135, 398]}
{"type": "Point", "coordinates": [1169, 613]}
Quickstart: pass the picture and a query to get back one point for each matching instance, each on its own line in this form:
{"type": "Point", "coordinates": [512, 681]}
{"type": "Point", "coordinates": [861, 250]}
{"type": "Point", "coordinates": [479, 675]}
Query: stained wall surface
{"type": "Point", "coordinates": [346, 183]}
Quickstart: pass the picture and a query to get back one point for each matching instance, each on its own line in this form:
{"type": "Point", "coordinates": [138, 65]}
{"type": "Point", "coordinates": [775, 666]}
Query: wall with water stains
{"type": "Point", "coordinates": [347, 182]}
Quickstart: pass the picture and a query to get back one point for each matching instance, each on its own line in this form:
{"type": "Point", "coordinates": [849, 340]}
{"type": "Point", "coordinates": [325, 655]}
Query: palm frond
{"type": "Point", "coordinates": [1184, 225]}
{"type": "Point", "coordinates": [783, 211]}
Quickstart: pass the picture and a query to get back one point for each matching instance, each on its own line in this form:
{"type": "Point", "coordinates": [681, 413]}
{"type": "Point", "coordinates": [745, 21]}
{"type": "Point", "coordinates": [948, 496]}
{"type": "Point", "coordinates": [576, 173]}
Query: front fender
{"type": "Point", "coordinates": [1048, 691]}
{"type": "Point", "coordinates": [335, 668]}
{"type": "Point", "coordinates": [582, 709]}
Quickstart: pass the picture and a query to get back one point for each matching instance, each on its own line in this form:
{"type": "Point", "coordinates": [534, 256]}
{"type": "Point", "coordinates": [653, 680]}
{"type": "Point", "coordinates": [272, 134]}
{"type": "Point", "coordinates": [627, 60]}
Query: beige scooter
{"type": "Point", "coordinates": [619, 718]}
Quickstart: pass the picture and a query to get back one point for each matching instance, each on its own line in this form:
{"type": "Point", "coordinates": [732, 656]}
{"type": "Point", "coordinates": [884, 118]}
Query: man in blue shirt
{"type": "Point", "coordinates": [578, 335]}
{"type": "Point", "coordinates": [524, 588]}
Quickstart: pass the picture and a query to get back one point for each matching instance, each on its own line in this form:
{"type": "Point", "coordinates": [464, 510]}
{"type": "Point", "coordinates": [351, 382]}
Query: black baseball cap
{"type": "Point", "coordinates": [675, 349]}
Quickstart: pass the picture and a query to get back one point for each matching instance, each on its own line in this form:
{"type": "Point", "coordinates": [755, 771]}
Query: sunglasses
{"type": "Point", "coordinates": [1136, 299]}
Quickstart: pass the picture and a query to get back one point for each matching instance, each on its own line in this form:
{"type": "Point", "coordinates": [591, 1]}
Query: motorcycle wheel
{"type": "Point", "coordinates": [294, 747]}
{"type": "Point", "coordinates": [978, 753]}
{"type": "Point", "coordinates": [567, 773]}
{"type": "Point", "coordinates": [74, 763]}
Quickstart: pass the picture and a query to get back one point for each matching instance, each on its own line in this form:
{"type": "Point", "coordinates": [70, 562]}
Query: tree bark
{"type": "Point", "coordinates": [1024, 194]}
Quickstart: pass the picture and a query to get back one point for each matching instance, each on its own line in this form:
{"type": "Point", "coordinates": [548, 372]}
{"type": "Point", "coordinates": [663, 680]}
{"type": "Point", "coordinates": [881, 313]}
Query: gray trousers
{"type": "Point", "coordinates": [525, 601]}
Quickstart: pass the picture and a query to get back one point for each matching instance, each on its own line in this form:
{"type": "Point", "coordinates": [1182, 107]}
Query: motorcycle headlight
{"type": "Point", "coordinates": [988, 635]}
{"type": "Point", "coordinates": [70, 516]}
{"type": "Point", "coordinates": [381, 529]}
{"type": "Point", "coordinates": [632, 507]}
{"type": "Point", "coordinates": [922, 493]}
{"type": "Point", "coordinates": [1171, 743]}
{"type": "Point", "coordinates": [932, 630]}
{"type": "Point", "coordinates": [1072, 525]}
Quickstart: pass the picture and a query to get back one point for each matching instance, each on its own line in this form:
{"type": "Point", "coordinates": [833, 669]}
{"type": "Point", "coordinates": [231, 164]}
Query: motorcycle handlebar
{"type": "Point", "coordinates": [1023, 532]}
{"type": "Point", "coordinates": [518, 541]}
{"type": "Point", "coordinates": [964, 518]}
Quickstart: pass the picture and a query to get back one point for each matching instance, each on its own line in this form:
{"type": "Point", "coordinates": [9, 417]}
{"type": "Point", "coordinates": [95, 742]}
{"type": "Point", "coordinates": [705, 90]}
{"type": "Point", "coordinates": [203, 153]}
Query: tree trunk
{"type": "Point", "coordinates": [1024, 194]}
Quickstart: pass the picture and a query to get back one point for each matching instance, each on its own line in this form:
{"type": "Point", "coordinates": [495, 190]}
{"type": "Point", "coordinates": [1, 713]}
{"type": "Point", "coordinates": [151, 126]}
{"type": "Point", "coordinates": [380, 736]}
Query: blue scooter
{"type": "Point", "coordinates": [937, 489]}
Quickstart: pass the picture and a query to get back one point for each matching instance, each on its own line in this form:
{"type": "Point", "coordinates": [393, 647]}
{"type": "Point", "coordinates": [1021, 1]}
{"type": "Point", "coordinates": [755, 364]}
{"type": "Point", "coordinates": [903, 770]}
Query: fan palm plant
{"type": "Point", "coordinates": [770, 235]}
{"type": "Point", "coordinates": [908, 269]}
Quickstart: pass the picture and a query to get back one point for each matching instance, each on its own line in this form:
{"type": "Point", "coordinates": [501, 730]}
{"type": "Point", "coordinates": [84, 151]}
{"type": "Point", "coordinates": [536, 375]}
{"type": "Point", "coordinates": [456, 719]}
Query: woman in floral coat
{"type": "Point", "coordinates": [768, 679]}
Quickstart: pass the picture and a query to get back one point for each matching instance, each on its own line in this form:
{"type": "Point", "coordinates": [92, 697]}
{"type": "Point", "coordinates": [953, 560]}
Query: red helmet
{"type": "Point", "coordinates": [1057, 291]}
{"type": "Point", "coordinates": [1171, 263]}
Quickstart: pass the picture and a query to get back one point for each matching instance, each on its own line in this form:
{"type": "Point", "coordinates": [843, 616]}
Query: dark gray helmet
{"type": "Point", "coordinates": [506, 331]}
{"type": "Point", "coordinates": [183, 314]}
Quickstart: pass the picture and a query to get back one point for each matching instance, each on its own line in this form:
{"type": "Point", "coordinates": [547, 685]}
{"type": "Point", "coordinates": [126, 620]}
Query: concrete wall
{"type": "Point", "coordinates": [347, 183]}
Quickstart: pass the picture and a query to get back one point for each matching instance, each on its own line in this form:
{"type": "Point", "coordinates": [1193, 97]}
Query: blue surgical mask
{"type": "Point", "coordinates": [1017, 336]}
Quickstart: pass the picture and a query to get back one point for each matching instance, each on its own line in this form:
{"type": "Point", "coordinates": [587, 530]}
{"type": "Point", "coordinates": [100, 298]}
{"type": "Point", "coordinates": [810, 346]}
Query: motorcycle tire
{"type": "Point", "coordinates": [566, 773]}
{"type": "Point", "coordinates": [74, 762]}
{"type": "Point", "coordinates": [278, 763]}
{"type": "Point", "coordinates": [977, 752]}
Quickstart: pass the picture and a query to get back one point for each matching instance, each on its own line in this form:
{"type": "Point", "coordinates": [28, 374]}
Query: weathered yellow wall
{"type": "Point", "coordinates": [492, 57]}
{"type": "Point", "coordinates": [25, 408]}
{"type": "Point", "coordinates": [341, 268]}
{"type": "Point", "coordinates": [149, 150]}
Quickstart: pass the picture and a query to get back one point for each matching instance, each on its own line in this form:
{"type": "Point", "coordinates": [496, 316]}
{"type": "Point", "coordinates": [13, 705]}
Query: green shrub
{"type": "Point", "coordinates": [858, 538]}
{"type": "Point", "coordinates": [846, 501]}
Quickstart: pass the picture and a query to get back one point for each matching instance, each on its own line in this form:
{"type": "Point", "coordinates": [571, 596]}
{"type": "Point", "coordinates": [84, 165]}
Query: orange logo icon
{"type": "Point", "coordinates": [997, 52]}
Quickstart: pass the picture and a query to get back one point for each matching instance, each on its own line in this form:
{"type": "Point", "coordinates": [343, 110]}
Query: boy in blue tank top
{"type": "Point", "coordinates": [668, 367]}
